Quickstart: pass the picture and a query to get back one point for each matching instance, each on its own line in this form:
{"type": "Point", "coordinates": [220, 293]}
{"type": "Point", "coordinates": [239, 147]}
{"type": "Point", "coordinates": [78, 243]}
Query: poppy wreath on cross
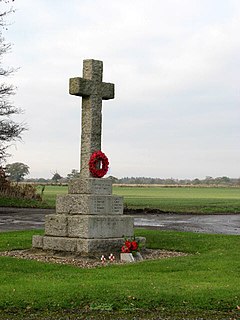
{"type": "Point", "coordinates": [98, 164]}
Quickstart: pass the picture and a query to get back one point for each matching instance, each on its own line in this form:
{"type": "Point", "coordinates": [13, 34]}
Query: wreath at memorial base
{"type": "Point", "coordinates": [98, 164]}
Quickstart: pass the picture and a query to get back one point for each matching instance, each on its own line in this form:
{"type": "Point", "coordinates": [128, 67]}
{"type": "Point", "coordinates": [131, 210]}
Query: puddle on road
{"type": "Point", "coordinates": [147, 222]}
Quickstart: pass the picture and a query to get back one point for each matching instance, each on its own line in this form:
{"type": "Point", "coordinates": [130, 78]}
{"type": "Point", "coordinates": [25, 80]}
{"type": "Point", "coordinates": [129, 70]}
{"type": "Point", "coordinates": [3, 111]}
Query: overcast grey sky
{"type": "Point", "coordinates": [175, 65]}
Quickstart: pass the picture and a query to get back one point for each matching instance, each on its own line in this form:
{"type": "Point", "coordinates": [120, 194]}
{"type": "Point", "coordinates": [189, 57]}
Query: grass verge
{"type": "Point", "coordinates": [207, 280]}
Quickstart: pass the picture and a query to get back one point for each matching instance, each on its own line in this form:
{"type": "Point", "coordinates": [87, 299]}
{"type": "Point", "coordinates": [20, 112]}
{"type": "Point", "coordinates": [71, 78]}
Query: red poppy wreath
{"type": "Point", "coordinates": [97, 158]}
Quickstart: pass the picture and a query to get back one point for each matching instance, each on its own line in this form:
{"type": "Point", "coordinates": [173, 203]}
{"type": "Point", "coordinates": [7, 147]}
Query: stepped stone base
{"type": "Point", "coordinates": [88, 226]}
{"type": "Point", "coordinates": [76, 245]}
{"type": "Point", "coordinates": [80, 246]}
{"type": "Point", "coordinates": [88, 219]}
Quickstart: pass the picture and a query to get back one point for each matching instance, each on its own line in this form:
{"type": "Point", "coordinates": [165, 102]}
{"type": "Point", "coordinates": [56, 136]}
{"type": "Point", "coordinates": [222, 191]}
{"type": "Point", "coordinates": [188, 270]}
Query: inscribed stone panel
{"type": "Point", "coordinates": [90, 186]}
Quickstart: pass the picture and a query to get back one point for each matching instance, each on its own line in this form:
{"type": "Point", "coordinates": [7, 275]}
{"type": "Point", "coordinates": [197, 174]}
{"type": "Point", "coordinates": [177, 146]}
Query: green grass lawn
{"type": "Point", "coordinates": [206, 281]}
{"type": "Point", "coordinates": [179, 200]}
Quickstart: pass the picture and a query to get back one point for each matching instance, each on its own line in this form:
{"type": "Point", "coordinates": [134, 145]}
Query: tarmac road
{"type": "Point", "coordinates": [12, 219]}
{"type": "Point", "coordinates": [26, 218]}
{"type": "Point", "coordinates": [222, 224]}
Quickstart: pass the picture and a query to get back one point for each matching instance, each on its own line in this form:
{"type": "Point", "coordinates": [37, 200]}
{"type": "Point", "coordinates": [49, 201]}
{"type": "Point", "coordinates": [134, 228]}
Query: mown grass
{"type": "Point", "coordinates": [17, 240]}
{"type": "Point", "coordinates": [206, 279]}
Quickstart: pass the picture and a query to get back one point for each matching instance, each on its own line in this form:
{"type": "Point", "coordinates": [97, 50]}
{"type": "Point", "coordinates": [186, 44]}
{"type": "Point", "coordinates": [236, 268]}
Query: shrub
{"type": "Point", "coordinates": [4, 183]}
{"type": "Point", "coordinates": [14, 190]}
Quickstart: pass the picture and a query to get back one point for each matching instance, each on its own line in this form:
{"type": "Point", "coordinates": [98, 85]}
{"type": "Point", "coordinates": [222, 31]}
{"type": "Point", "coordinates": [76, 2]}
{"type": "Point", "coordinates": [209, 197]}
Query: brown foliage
{"type": "Point", "coordinates": [4, 183]}
{"type": "Point", "coordinates": [14, 190]}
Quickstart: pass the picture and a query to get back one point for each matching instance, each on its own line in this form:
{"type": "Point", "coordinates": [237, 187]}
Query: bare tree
{"type": "Point", "coordinates": [9, 129]}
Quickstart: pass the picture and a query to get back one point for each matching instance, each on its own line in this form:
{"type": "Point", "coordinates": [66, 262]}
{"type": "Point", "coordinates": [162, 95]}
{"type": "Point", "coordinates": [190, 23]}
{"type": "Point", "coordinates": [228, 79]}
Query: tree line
{"type": "Point", "coordinates": [171, 181]}
{"type": "Point", "coordinates": [18, 171]}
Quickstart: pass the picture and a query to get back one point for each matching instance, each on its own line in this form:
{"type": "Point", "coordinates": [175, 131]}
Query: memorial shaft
{"type": "Point", "coordinates": [92, 90]}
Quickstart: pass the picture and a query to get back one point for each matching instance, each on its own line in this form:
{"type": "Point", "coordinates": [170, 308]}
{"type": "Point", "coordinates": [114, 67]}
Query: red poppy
{"type": "Point", "coordinates": [125, 249]}
{"type": "Point", "coordinates": [134, 245]}
{"type": "Point", "coordinates": [128, 244]}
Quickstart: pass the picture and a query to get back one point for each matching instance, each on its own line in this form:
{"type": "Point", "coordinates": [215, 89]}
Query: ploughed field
{"type": "Point", "coordinates": [202, 200]}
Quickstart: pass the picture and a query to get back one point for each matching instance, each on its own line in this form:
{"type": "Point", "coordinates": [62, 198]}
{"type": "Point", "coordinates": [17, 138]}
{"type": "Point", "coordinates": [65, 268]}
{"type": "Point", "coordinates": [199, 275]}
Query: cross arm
{"type": "Point", "coordinates": [80, 87]}
{"type": "Point", "coordinates": [107, 90]}
{"type": "Point", "coordinates": [85, 87]}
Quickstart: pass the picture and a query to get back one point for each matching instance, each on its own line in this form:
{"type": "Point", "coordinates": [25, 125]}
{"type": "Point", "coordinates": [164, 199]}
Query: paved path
{"type": "Point", "coordinates": [22, 219]}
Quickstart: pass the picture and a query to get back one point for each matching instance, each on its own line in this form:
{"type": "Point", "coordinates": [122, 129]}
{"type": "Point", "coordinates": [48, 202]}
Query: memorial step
{"type": "Point", "coordinates": [88, 226]}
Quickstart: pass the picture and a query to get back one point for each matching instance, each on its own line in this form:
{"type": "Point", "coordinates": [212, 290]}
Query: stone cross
{"type": "Point", "coordinates": [89, 219]}
{"type": "Point", "coordinates": [92, 90]}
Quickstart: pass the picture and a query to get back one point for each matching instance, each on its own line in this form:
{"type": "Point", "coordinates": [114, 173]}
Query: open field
{"type": "Point", "coordinates": [180, 200]}
{"type": "Point", "coordinates": [205, 282]}
{"type": "Point", "coordinates": [183, 200]}
{"type": "Point", "coordinates": [201, 200]}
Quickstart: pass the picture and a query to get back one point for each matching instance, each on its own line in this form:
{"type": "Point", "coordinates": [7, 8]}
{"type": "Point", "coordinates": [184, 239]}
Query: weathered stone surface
{"type": "Point", "coordinates": [92, 70]}
{"type": "Point", "coordinates": [56, 225]}
{"type": "Point", "coordinates": [82, 246]}
{"type": "Point", "coordinates": [80, 87]}
{"type": "Point", "coordinates": [37, 241]}
{"type": "Point", "coordinates": [72, 204]}
{"type": "Point", "coordinates": [78, 226]}
{"type": "Point", "coordinates": [85, 88]}
{"type": "Point", "coordinates": [89, 204]}
{"type": "Point", "coordinates": [90, 186]}
{"type": "Point", "coordinates": [93, 227]}
{"type": "Point", "coordinates": [92, 90]}
{"type": "Point", "coordinates": [77, 245]}
{"type": "Point", "coordinates": [60, 243]}
{"type": "Point", "coordinates": [101, 246]}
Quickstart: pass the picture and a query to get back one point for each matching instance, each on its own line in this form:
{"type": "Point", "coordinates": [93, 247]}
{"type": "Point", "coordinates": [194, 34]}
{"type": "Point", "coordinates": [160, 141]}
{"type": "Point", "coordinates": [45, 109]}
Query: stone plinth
{"type": "Point", "coordinates": [89, 219]}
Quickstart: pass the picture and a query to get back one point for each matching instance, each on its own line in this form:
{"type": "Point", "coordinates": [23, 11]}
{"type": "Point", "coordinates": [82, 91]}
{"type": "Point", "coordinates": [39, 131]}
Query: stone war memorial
{"type": "Point", "coordinates": [89, 219]}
